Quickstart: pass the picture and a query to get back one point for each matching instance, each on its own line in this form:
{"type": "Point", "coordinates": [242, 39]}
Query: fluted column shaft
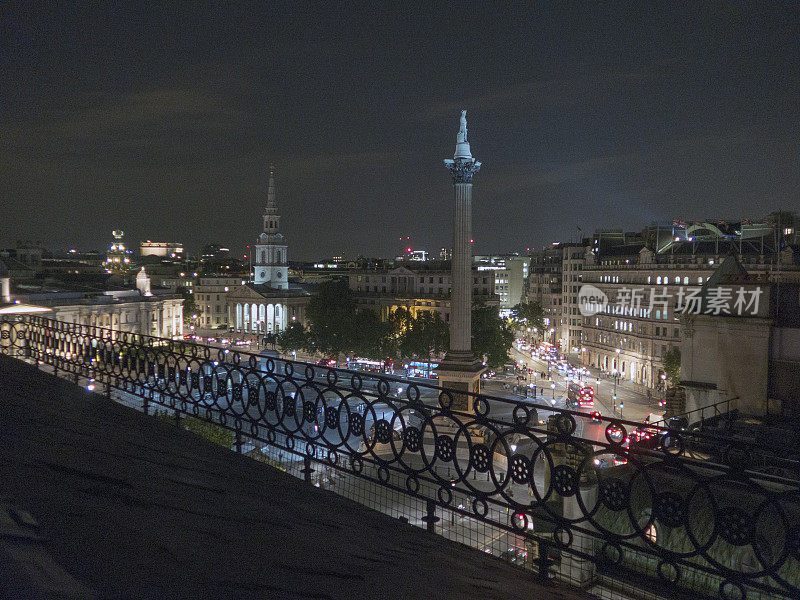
{"type": "Point", "coordinates": [461, 296]}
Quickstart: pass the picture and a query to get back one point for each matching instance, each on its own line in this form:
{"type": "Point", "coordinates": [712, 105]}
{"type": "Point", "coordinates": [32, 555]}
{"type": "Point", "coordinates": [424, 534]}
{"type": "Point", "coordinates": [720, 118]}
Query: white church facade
{"type": "Point", "coordinates": [268, 304]}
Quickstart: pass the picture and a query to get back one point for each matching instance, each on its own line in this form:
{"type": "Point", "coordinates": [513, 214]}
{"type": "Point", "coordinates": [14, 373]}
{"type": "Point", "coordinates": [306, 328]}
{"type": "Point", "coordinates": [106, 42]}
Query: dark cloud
{"type": "Point", "coordinates": [162, 120]}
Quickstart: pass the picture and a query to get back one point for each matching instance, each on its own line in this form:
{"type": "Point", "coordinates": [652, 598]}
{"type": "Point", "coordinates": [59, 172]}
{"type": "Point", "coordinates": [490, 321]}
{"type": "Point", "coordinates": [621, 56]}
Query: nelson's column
{"type": "Point", "coordinates": [460, 370]}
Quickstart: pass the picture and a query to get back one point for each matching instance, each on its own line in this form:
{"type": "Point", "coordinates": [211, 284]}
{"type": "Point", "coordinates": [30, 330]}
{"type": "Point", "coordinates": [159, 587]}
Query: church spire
{"type": "Point", "coordinates": [269, 263]}
{"type": "Point", "coordinates": [271, 218]}
{"type": "Point", "coordinates": [272, 208]}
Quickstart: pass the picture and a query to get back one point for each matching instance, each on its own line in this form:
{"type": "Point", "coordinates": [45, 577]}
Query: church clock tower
{"type": "Point", "coordinates": [269, 261]}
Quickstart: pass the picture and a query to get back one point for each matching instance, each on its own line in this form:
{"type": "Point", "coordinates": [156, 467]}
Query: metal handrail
{"type": "Point", "coordinates": [542, 482]}
{"type": "Point", "coordinates": [701, 410]}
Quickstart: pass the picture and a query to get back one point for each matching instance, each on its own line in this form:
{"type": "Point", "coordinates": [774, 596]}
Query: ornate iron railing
{"type": "Point", "coordinates": [591, 499]}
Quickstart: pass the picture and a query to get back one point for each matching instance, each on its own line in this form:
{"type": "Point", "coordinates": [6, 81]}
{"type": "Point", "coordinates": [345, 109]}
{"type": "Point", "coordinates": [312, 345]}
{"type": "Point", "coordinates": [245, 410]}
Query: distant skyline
{"type": "Point", "coordinates": [162, 120]}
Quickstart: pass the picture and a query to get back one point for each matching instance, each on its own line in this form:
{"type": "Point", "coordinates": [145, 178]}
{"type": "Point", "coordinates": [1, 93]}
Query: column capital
{"type": "Point", "coordinates": [462, 169]}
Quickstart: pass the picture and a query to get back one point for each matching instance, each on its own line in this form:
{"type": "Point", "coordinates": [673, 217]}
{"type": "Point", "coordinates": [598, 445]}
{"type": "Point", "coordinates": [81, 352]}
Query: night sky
{"type": "Point", "coordinates": [162, 121]}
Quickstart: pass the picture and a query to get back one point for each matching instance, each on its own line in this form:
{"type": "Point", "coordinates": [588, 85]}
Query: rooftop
{"type": "Point", "coordinates": [99, 500]}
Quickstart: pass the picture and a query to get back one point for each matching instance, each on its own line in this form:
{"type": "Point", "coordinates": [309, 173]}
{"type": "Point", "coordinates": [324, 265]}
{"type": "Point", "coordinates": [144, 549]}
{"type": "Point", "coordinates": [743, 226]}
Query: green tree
{"type": "Point", "coordinates": [294, 338]}
{"type": "Point", "coordinates": [210, 431]}
{"type": "Point", "coordinates": [189, 305]}
{"type": "Point", "coordinates": [205, 429]}
{"type": "Point", "coordinates": [330, 314]}
{"type": "Point", "coordinates": [370, 337]}
{"type": "Point", "coordinates": [672, 365]}
{"type": "Point", "coordinates": [400, 319]}
{"type": "Point", "coordinates": [528, 314]}
{"type": "Point", "coordinates": [491, 335]}
{"type": "Point", "coordinates": [425, 336]}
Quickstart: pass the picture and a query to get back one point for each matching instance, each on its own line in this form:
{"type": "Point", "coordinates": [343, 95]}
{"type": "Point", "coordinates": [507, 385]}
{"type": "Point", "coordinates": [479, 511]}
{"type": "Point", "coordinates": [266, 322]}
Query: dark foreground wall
{"type": "Point", "coordinates": [98, 500]}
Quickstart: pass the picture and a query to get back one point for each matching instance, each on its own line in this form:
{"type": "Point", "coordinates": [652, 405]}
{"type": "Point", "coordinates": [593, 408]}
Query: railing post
{"type": "Point", "coordinates": [543, 562]}
{"type": "Point", "coordinates": [307, 470]}
{"type": "Point", "coordinates": [177, 418]}
{"type": "Point", "coordinates": [239, 441]}
{"type": "Point", "coordinates": [108, 387]}
{"type": "Point", "coordinates": [430, 519]}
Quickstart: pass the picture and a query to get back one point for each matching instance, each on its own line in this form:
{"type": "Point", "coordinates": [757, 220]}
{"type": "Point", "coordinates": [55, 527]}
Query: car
{"type": "Point", "coordinates": [514, 556]}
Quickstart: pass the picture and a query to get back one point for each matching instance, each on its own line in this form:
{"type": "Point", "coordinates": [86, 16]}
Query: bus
{"type": "Point", "coordinates": [371, 366]}
{"type": "Point", "coordinates": [422, 369]}
{"type": "Point", "coordinates": [547, 351]}
{"type": "Point", "coordinates": [580, 395]}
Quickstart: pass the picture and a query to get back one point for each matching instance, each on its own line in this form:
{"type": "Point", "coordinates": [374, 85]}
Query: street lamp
{"type": "Point", "coordinates": [553, 387]}
{"type": "Point", "coordinates": [580, 373]}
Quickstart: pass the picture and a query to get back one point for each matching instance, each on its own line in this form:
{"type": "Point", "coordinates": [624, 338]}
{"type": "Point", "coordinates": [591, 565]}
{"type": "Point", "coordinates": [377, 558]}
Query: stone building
{"type": "Point", "coordinates": [753, 359]}
{"type": "Point", "coordinates": [146, 311]}
{"type": "Point", "coordinates": [510, 276]}
{"type": "Point", "coordinates": [544, 287]}
{"type": "Point", "coordinates": [425, 288]}
{"type": "Point", "coordinates": [644, 276]}
{"type": "Point", "coordinates": [210, 296]}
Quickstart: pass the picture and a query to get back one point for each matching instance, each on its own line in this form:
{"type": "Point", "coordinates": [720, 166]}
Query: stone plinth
{"type": "Point", "coordinates": [460, 372]}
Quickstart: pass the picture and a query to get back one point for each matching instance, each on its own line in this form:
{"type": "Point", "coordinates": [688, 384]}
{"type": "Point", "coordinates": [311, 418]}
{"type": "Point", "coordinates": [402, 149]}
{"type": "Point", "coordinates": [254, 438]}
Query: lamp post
{"type": "Point", "coordinates": [580, 373]}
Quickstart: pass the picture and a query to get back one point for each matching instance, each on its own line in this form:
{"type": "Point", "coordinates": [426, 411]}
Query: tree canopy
{"type": "Point", "coordinates": [189, 305]}
{"type": "Point", "coordinates": [528, 314]}
{"type": "Point", "coordinates": [330, 315]}
{"type": "Point", "coordinates": [337, 327]}
{"type": "Point", "coordinates": [294, 338]}
{"type": "Point", "coordinates": [491, 335]}
{"type": "Point", "coordinates": [426, 336]}
{"type": "Point", "coordinates": [672, 365]}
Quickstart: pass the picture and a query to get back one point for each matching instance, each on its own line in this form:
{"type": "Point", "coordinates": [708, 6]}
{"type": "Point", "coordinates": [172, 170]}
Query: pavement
{"type": "Point", "coordinates": [637, 406]}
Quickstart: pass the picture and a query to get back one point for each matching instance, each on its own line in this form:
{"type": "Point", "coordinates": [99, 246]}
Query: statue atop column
{"type": "Point", "coordinates": [462, 131]}
{"type": "Point", "coordinates": [462, 165]}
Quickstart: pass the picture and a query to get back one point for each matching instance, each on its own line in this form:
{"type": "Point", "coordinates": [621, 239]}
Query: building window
{"type": "Point", "coordinates": [651, 533]}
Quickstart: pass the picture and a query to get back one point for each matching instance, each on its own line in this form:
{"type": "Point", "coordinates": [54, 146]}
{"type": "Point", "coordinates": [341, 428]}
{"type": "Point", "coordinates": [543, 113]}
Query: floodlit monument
{"type": "Point", "coordinates": [461, 370]}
